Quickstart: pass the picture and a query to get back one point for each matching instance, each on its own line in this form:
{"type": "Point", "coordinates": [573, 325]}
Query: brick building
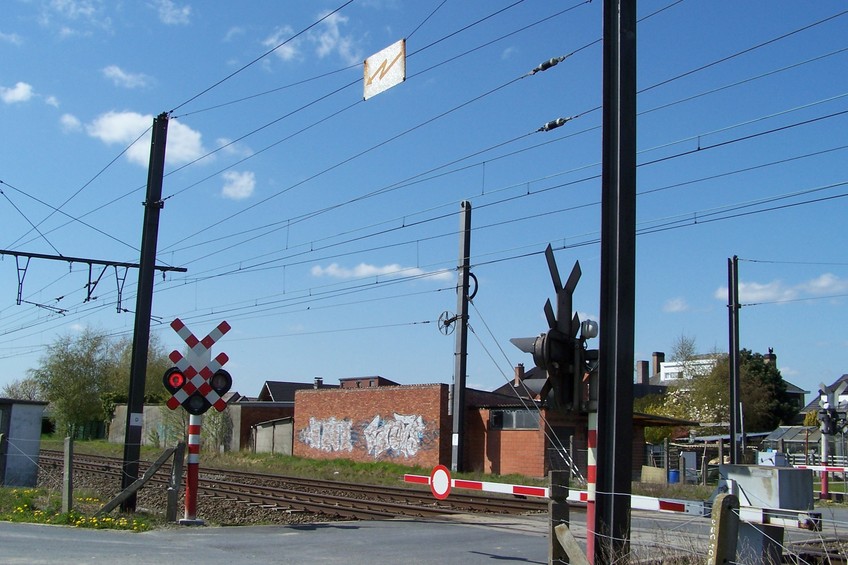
{"type": "Point", "coordinates": [411, 424]}
{"type": "Point", "coordinates": [407, 423]}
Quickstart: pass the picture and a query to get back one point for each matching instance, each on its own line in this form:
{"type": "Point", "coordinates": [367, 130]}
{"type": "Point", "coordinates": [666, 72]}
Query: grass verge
{"type": "Point", "coordinates": [41, 506]}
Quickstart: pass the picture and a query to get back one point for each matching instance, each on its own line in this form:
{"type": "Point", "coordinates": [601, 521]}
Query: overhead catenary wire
{"type": "Point", "coordinates": [260, 57]}
{"type": "Point", "coordinates": [582, 113]}
{"type": "Point", "coordinates": [650, 15]}
{"type": "Point", "coordinates": [677, 223]}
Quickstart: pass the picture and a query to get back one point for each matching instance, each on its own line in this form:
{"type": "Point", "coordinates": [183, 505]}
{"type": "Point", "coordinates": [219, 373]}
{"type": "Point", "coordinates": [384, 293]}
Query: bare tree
{"type": "Point", "coordinates": [23, 389]}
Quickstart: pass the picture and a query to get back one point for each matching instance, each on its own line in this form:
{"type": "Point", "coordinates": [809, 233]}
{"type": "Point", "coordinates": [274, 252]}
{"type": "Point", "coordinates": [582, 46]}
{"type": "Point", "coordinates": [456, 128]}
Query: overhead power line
{"type": "Point", "coordinates": [260, 57]}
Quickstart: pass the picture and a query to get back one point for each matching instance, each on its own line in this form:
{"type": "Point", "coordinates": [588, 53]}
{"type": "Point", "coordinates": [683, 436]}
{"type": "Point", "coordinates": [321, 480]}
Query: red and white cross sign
{"type": "Point", "coordinates": [199, 355]}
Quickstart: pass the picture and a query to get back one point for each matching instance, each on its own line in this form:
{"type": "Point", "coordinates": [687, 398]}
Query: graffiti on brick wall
{"type": "Point", "coordinates": [401, 436]}
{"type": "Point", "coordinates": [328, 435]}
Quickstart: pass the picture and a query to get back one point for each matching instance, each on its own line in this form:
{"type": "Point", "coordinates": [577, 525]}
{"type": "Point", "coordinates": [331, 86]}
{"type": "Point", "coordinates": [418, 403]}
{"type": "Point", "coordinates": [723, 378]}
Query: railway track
{"type": "Point", "coordinates": [322, 497]}
{"type": "Point", "coordinates": [315, 499]}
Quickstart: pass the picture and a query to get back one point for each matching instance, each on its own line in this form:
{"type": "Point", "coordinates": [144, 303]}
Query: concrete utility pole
{"type": "Point", "coordinates": [144, 305]}
{"type": "Point", "coordinates": [461, 352]}
{"type": "Point", "coordinates": [610, 540]}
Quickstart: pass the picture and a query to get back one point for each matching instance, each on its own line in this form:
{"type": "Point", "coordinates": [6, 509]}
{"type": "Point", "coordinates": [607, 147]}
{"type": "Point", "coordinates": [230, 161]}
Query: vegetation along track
{"type": "Point", "coordinates": [298, 496]}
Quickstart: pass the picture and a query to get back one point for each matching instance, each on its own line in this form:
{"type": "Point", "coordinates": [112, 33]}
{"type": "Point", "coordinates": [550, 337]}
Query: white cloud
{"type": "Point", "coordinates": [124, 79]}
{"type": "Point", "coordinates": [12, 38]}
{"type": "Point", "coordinates": [675, 305]}
{"type": "Point", "coordinates": [229, 147]}
{"type": "Point", "coordinates": [57, 13]}
{"type": "Point", "coordinates": [827, 283]}
{"type": "Point", "coordinates": [334, 270]}
{"type": "Point", "coordinates": [70, 123]}
{"type": "Point", "coordinates": [171, 14]}
{"type": "Point", "coordinates": [329, 40]}
{"type": "Point", "coordinates": [507, 53]}
{"type": "Point", "coordinates": [777, 291]}
{"type": "Point", "coordinates": [234, 32]}
{"type": "Point", "coordinates": [74, 9]}
{"type": "Point", "coordinates": [288, 52]}
{"type": "Point", "coordinates": [238, 186]}
{"type": "Point", "coordinates": [52, 101]}
{"type": "Point", "coordinates": [21, 92]}
{"type": "Point", "coordinates": [184, 143]}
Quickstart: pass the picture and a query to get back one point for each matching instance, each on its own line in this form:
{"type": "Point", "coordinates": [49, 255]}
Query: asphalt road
{"type": "Point", "coordinates": [353, 543]}
{"type": "Point", "coordinates": [465, 539]}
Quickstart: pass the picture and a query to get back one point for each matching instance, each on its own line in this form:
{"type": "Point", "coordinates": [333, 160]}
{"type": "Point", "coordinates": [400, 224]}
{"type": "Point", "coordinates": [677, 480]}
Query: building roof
{"type": "Point", "coordinates": [283, 391]}
{"type": "Point", "coordinates": [484, 399]}
{"type": "Point", "coordinates": [376, 379]}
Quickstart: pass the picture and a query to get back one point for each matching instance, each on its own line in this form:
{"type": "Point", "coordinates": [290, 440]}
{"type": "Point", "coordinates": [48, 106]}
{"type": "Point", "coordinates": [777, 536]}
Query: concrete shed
{"type": "Point", "coordinates": [273, 436]}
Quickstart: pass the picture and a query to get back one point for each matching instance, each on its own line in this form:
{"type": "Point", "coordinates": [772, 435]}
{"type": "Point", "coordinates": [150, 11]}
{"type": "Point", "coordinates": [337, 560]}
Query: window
{"type": "Point", "coordinates": [514, 419]}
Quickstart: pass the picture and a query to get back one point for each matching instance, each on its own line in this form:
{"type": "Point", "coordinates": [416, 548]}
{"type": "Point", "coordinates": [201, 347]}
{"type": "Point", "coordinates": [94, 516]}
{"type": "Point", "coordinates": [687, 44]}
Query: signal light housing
{"type": "Point", "coordinates": [173, 380]}
{"type": "Point", "coordinates": [196, 401]}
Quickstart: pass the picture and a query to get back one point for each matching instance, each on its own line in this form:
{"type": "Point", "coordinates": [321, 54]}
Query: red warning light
{"type": "Point", "coordinates": [176, 380]}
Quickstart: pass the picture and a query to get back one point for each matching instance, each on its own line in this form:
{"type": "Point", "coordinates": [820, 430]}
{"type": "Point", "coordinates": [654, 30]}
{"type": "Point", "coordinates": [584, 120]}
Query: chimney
{"type": "Point", "coordinates": [319, 382]}
{"type": "Point", "coordinates": [519, 375]}
{"type": "Point", "coordinates": [643, 372]}
{"type": "Point", "coordinates": [658, 358]}
{"type": "Point", "coordinates": [770, 358]}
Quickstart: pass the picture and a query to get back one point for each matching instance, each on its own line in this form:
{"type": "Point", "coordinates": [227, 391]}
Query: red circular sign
{"type": "Point", "coordinates": [440, 482]}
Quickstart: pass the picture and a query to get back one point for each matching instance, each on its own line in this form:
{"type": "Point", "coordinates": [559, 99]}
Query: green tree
{"type": "Point", "coordinates": [765, 402]}
{"type": "Point", "coordinates": [72, 377]}
{"type": "Point", "coordinates": [116, 391]}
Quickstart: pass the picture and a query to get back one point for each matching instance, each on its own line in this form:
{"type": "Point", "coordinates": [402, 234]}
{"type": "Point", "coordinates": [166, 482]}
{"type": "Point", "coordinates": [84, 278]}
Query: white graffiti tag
{"type": "Point", "coordinates": [403, 436]}
{"type": "Point", "coordinates": [328, 435]}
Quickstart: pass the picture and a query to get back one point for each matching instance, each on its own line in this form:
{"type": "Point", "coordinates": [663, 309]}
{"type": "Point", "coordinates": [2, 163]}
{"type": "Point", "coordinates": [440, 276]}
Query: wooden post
{"type": "Point", "coordinates": [724, 530]}
{"type": "Point", "coordinates": [563, 546]}
{"type": "Point", "coordinates": [68, 477]}
{"type": "Point", "coordinates": [176, 483]}
{"type": "Point", "coordinates": [558, 514]}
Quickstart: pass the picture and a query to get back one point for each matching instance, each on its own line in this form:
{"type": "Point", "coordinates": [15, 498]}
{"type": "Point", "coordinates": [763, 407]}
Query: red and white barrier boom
{"type": "Point", "coordinates": [441, 483]}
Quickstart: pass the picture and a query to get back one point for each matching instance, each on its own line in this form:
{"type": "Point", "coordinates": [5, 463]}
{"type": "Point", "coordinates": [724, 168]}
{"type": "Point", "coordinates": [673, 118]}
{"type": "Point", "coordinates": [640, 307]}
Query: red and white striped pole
{"type": "Point", "coordinates": [591, 480]}
{"type": "Point", "coordinates": [192, 470]}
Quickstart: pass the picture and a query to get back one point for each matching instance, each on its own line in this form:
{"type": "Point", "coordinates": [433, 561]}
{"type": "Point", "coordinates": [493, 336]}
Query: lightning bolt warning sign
{"type": "Point", "coordinates": [385, 69]}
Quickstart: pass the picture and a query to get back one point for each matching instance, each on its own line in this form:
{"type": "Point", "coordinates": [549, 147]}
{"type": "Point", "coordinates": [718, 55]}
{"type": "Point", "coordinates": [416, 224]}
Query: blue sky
{"type": "Point", "coordinates": [324, 228]}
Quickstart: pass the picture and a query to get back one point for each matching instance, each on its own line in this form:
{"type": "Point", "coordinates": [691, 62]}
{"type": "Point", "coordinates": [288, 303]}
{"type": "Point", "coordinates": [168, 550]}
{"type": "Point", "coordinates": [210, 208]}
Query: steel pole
{"type": "Point", "coordinates": [618, 280]}
{"type": "Point", "coordinates": [733, 356]}
{"type": "Point", "coordinates": [461, 350]}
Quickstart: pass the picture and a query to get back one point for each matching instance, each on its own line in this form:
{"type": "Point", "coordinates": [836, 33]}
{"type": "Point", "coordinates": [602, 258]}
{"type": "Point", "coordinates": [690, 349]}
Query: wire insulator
{"type": "Point", "coordinates": [553, 124]}
{"type": "Point", "coordinates": [547, 65]}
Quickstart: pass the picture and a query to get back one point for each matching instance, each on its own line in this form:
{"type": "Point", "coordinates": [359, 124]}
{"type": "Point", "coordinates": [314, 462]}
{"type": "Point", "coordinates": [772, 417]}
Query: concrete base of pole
{"type": "Point", "coordinates": [191, 522]}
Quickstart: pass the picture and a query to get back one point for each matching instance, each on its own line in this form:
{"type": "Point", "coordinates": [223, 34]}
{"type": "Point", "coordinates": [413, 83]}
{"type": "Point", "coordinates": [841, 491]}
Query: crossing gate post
{"type": "Point", "coordinates": [192, 472]}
